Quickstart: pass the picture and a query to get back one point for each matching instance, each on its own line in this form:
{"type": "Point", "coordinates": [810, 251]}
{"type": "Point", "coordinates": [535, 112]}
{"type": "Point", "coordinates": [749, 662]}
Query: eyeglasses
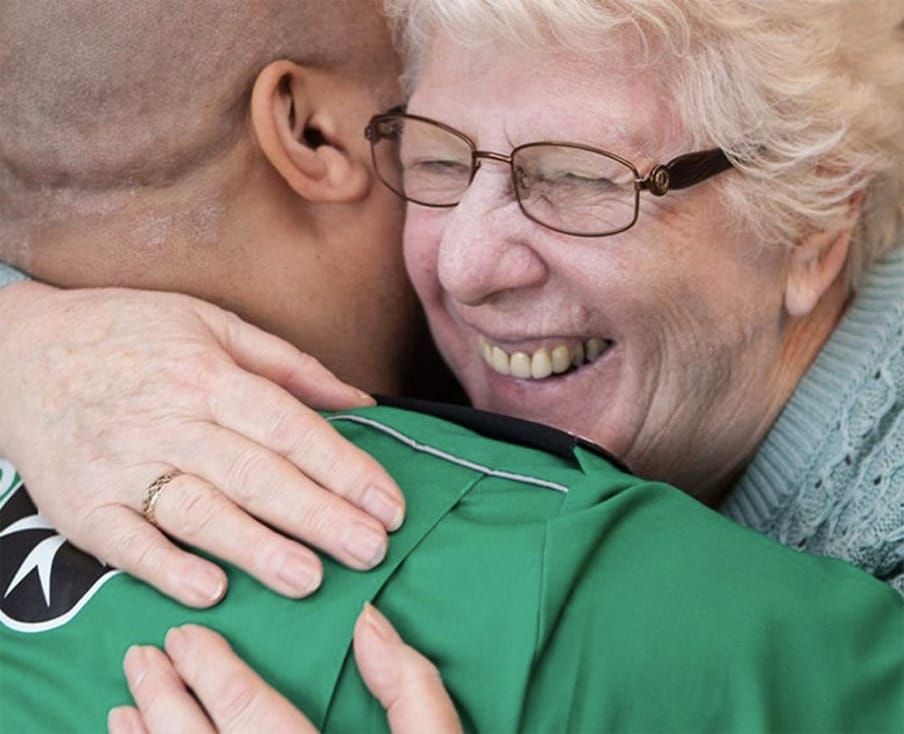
{"type": "Point", "coordinates": [570, 188]}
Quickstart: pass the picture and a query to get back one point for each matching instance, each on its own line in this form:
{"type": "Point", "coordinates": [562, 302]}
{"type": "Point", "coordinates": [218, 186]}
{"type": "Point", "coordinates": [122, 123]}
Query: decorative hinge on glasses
{"type": "Point", "coordinates": [684, 171]}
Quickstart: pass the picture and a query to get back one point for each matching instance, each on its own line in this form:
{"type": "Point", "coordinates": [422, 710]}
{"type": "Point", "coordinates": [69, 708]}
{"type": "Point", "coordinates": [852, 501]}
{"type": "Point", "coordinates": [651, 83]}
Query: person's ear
{"type": "Point", "coordinates": [300, 136]}
{"type": "Point", "coordinates": [817, 260]}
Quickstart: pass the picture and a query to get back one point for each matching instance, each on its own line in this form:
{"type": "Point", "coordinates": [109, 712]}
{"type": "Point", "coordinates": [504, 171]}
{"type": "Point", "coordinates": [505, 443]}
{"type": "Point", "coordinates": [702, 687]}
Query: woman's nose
{"type": "Point", "coordinates": [485, 248]}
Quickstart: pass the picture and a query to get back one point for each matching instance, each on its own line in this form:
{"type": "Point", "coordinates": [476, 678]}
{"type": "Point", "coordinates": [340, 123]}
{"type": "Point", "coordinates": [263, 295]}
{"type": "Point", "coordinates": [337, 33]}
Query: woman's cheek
{"type": "Point", "coordinates": [421, 245]}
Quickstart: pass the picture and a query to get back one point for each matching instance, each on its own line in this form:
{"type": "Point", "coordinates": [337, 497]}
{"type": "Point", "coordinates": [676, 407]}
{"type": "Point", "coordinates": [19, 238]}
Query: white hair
{"type": "Point", "coordinates": [805, 96]}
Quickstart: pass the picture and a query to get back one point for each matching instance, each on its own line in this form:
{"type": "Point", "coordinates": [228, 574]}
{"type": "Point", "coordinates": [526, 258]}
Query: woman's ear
{"type": "Point", "coordinates": [817, 261]}
{"type": "Point", "coordinates": [299, 135]}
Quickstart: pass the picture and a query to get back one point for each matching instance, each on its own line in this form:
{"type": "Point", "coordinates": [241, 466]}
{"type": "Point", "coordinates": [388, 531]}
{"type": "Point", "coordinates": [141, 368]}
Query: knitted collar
{"type": "Point", "coordinates": [787, 459]}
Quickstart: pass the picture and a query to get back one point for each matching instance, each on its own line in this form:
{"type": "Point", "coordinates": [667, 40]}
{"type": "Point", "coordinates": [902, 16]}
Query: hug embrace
{"type": "Point", "coordinates": [659, 245]}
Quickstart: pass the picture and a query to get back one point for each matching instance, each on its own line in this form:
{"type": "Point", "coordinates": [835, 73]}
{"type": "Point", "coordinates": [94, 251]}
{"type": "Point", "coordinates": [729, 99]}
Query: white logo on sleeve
{"type": "Point", "coordinates": [44, 579]}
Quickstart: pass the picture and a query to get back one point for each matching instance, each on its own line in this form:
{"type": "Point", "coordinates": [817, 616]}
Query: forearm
{"type": "Point", "coordinates": [16, 289]}
{"type": "Point", "coordinates": [9, 297]}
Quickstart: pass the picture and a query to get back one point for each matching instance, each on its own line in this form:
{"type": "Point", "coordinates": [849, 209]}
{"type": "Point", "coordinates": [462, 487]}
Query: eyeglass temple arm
{"type": "Point", "coordinates": [370, 132]}
{"type": "Point", "coordinates": [685, 171]}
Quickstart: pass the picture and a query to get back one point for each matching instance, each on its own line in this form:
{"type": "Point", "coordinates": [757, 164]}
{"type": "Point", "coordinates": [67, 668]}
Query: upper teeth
{"type": "Point", "coordinates": [543, 362]}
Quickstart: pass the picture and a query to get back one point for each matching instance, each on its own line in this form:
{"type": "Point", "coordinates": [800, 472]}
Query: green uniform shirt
{"type": "Point", "coordinates": [555, 592]}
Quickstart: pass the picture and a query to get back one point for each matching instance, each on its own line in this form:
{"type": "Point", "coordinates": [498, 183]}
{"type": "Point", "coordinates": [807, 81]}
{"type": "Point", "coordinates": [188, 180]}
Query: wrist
{"type": "Point", "coordinates": [17, 301]}
{"type": "Point", "coordinates": [16, 293]}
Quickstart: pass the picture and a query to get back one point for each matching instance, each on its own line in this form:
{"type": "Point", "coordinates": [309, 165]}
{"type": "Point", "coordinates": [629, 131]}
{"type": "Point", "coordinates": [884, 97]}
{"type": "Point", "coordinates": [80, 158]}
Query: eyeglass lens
{"type": "Point", "coordinates": [568, 188]}
{"type": "Point", "coordinates": [574, 190]}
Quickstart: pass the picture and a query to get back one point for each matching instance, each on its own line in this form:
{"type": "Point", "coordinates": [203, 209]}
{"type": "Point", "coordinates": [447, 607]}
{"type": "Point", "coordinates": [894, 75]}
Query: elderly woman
{"type": "Point", "coordinates": [673, 231]}
{"type": "Point", "coordinates": [674, 228]}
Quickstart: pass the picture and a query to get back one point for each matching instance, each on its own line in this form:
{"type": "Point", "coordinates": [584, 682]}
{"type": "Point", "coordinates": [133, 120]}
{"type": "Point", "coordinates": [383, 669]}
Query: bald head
{"type": "Point", "coordinates": [213, 148]}
{"type": "Point", "coordinates": [97, 95]}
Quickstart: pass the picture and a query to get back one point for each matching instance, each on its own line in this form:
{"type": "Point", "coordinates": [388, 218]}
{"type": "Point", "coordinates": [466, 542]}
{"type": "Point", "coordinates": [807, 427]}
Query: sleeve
{"type": "Point", "coordinates": [9, 275]}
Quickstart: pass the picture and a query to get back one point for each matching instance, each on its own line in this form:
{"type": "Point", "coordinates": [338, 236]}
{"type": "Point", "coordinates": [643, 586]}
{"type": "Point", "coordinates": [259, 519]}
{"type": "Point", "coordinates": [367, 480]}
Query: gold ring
{"type": "Point", "coordinates": [149, 505]}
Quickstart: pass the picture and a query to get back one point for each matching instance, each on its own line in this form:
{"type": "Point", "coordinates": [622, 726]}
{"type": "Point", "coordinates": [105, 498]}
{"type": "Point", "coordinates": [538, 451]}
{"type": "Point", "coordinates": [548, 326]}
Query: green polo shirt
{"type": "Point", "coordinates": [554, 590]}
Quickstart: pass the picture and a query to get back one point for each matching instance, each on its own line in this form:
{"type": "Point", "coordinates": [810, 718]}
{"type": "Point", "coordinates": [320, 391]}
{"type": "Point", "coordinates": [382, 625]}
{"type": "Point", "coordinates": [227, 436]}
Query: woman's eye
{"type": "Point", "coordinates": [580, 179]}
{"type": "Point", "coordinates": [441, 167]}
{"type": "Point", "coordinates": [573, 180]}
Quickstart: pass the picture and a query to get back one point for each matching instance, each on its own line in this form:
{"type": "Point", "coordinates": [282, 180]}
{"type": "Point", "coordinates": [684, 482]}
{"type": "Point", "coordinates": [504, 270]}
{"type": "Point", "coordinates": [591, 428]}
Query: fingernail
{"type": "Point", "coordinates": [121, 720]}
{"type": "Point", "coordinates": [379, 624]}
{"type": "Point", "coordinates": [299, 576]}
{"type": "Point", "coordinates": [365, 398]}
{"type": "Point", "coordinates": [116, 721]}
{"type": "Point", "coordinates": [384, 507]}
{"type": "Point", "coordinates": [366, 545]}
{"type": "Point", "coordinates": [135, 665]}
{"type": "Point", "coordinates": [175, 641]}
{"type": "Point", "coordinates": [208, 584]}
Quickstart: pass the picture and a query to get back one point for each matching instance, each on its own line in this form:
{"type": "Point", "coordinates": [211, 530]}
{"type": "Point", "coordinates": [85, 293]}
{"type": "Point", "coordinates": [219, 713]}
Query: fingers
{"type": "Point", "coordinates": [268, 487]}
{"type": "Point", "coordinates": [278, 361]}
{"type": "Point", "coordinates": [163, 701]}
{"type": "Point", "coordinates": [235, 697]}
{"type": "Point", "coordinates": [270, 417]}
{"type": "Point", "coordinates": [125, 720]}
{"type": "Point", "coordinates": [196, 513]}
{"type": "Point", "coordinates": [138, 548]}
{"type": "Point", "coordinates": [406, 683]}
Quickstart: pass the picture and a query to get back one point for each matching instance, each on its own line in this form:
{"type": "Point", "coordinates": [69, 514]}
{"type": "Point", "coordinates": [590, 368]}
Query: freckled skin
{"type": "Point", "coordinates": [704, 356]}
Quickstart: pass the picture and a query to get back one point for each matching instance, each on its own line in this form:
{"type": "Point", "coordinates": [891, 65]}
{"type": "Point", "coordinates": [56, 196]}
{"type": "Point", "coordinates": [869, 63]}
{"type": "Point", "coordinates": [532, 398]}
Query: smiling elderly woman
{"type": "Point", "coordinates": [703, 270]}
{"type": "Point", "coordinates": [672, 227]}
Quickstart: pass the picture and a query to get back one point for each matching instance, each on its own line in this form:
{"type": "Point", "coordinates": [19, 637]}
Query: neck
{"type": "Point", "coordinates": [802, 341]}
{"type": "Point", "coordinates": [253, 248]}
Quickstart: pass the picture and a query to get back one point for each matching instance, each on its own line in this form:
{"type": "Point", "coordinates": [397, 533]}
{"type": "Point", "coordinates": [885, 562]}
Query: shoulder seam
{"type": "Point", "coordinates": [446, 456]}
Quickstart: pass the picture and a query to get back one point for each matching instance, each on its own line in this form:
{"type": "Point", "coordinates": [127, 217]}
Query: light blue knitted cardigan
{"type": "Point", "coordinates": [829, 477]}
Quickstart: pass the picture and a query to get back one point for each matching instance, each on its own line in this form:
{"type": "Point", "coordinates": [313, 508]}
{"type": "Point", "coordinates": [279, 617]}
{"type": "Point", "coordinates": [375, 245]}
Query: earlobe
{"type": "Point", "coordinates": [293, 123]}
{"type": "Point", "coordinates": [815, 263]}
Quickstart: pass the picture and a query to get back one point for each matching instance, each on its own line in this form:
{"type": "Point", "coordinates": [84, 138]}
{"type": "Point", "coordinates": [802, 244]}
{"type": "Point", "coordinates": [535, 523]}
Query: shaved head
{"type": "Point", "coordinates": [97, 97]}
{"type": "Point", "coordinates": [213, 148]}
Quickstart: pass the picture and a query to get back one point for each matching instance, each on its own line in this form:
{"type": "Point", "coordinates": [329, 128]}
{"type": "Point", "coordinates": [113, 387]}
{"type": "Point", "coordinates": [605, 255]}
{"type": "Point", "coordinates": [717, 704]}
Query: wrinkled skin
{"type": "Point", "coordinates": [106, 403]}
{"type": "Point", "coordinates": [703, 354]}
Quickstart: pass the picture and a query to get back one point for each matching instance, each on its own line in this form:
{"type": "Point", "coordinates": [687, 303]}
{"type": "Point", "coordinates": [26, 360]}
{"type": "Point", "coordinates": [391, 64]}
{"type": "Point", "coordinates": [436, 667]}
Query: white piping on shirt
{"type": "Point", "coordinates": [445, 456]}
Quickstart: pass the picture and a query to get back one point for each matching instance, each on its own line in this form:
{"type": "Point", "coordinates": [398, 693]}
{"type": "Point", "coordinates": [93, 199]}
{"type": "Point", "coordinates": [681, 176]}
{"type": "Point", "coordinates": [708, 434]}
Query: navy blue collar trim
{"type": "Point", "coordinates": [505, 428]}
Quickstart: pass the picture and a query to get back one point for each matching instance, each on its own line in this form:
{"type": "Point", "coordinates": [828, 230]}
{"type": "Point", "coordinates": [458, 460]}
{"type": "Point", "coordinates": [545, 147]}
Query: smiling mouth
{"type": "Point", "coordinates": [543, 362]}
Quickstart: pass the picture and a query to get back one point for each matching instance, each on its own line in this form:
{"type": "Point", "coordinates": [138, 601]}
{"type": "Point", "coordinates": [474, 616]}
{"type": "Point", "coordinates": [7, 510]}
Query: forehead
{"type": "Point", "coordinates": [510, 95]}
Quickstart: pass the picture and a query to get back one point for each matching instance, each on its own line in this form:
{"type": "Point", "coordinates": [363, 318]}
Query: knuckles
{"type": "Point", "coordinates": [242, 477]}
{"type": "Point", "coordinates": [206, 371]}
{"type": "Point", "coordinates": [309, 365]}
{"type": "Point", "coordinates": [193, 510]}
{"type": "Point", "coordinates": [418, 672]}
{"type": "Point", "coordinates": [235, 701]}
{"type": "Point", "coordinates": [293, 431]}
{"type": "Point", "coordinates": [232, 692]}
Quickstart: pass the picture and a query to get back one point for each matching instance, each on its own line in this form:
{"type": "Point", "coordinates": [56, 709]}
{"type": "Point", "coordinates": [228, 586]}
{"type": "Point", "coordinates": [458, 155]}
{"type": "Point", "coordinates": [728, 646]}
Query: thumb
{"type": "Point", "coordinates": [407, 684]}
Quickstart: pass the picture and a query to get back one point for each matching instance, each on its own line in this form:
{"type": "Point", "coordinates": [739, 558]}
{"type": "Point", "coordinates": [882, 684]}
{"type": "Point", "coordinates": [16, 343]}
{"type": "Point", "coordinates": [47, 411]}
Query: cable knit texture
{"type": "Point", "coordinates": [829, 478]}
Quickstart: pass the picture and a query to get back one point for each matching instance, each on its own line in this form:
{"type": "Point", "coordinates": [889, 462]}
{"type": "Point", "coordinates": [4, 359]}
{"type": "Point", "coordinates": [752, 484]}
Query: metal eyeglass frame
{"type": "Point", "coordinates": [681, 172]}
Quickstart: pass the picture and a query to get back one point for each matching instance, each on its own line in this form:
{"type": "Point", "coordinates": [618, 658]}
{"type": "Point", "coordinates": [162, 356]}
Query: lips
{"type": "Point", "coordinates": [544, 362]}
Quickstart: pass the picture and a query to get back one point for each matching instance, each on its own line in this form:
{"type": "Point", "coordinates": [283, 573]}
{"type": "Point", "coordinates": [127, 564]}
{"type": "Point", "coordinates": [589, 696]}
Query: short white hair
{"type": "Point", "coordinates": [805, 96]}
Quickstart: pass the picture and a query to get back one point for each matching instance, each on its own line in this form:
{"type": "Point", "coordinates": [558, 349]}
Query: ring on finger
{"type": "Point", "coordinates": [152, 493]}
